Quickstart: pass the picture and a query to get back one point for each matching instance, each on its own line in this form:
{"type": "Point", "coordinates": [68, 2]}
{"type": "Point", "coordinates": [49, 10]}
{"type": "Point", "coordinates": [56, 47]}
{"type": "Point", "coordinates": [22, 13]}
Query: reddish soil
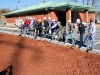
{"type": "Point", "coordinates": [32, 57]}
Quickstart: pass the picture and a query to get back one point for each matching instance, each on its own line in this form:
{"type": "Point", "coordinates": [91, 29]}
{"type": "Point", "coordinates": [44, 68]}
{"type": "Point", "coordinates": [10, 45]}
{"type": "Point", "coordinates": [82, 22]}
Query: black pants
{"type": "Point", "coordinates": [40, 32]}
{"type": "Point", "coordinates": [81, 39]}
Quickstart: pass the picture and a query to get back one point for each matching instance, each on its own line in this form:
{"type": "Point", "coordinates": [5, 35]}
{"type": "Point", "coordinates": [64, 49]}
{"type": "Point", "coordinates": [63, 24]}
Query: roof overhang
{"type": "Point", "coordinates": [53, 6]}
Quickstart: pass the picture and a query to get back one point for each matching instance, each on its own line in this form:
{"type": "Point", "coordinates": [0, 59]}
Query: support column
{"type": "Point", "coordinates": [68, 15]}
{"type": "Point", "coordinates": [86, 15]}
{"type": "Point", "coordinates": [53, 15]}
{"type": "Point", "coordinates": [94, 18]}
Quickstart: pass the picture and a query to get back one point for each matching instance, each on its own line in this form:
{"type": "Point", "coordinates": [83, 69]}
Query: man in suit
{"type": "Point", "coordinates": [81, 31]}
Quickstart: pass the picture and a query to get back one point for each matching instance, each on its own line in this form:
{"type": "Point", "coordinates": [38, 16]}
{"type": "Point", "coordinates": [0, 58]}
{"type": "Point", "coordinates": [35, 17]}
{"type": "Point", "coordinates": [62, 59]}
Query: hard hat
{"type": "Point", "coordinates": [39, 20]}
{"type": "Point", "coordinates": [21, 20]}
{"type": "Point", "coordinates": [30, 17]}
{"type": "Point", "coordinates": [69, 21]}
{"type": "Point", "coordinates": [49, 17]}
{"type": "Point", "coordinates": [78, 20]}
{"type": "Point", "coordinates": [44, 17]}
{"type": "Point", "coordinates": [58, 22]}
{"type": "Point", "coordinates": [53, 20]}
{"type": "Point", "coordinates": [33, 18]}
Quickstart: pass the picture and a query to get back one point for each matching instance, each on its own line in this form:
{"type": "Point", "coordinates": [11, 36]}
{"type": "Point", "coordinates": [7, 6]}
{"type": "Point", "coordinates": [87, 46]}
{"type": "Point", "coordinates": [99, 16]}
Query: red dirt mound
{"type": "Point", "coordinates": [32, 57]}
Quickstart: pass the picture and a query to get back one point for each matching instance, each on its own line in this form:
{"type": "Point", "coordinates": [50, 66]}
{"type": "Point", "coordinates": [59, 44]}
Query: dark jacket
{"type": "Point", "coordinates": [39, 25]}
{"type": "Point", "coordinates": [70, 27]}
{"type": "Point", "coordinates": [35, 24]}
{"type": "Point", "coordinates": [61, 29]}
{"type": "Point", "coordinates": [81, 28]}
{"type": "Point", "coordinates": [46, 24]}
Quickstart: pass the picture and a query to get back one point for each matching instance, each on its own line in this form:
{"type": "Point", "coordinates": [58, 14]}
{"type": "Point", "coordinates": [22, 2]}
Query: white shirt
{"type": "Point", "coordinates": [92, 28]}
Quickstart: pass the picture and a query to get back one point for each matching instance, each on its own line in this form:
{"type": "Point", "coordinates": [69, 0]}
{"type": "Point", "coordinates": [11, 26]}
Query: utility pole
{"type": "Point", "coordinates": [18, 4]}
{"type": "Point", "coordinates": [26, 5]}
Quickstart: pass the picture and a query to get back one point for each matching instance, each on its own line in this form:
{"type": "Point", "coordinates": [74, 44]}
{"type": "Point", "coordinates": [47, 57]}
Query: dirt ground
{"type": "Point", "coordinates": [32, 57]}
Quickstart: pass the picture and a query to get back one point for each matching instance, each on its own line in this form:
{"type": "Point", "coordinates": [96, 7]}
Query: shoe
{"type": "Point", "coordinates": [87, 50]}
{"type": "Point", "coordinates": [91, 49]}
{"type": "Point", "coordinates": [20, 35]}
{"type": "Point", "coordinates": [73, 46]}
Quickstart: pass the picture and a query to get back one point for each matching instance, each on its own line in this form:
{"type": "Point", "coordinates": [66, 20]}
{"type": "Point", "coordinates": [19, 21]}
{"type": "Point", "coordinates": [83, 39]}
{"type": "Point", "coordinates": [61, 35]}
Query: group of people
{"type": "Point", "coordinates": [55, 31]}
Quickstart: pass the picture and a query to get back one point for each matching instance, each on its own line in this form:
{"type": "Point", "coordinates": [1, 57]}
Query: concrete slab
{"type": "Point", "coordinates": [61, 43]}
{"type": "Point", "coordinates": [76, 46]}
{"type": "Point", "coordinates": [16, 34]}
{"type": "Point", "coordinates": [9, 33]}
{"type": "Point", "coordinates": [23, 35]}
{"type": "Point", "coordinates": [95, 51]}
{"type": "Point", "coordinates": [38, 38]}
{"type": "Point", "coordinates": [27, 36]}
{"type": "Point", "coordinates": [54, 41]}
{"type": "Point", "coordinates": [31, 37]}
{"type": "Point", "coordinates": [3, 31]}
{"type": "Point", "coordinates": [83, 48]}
{"type": "Point", "coordinates": [67, 44]}
{"type": "Point", "coordinates": [43, 39]}
{"type": "Point", "coordinates": [49, 40]}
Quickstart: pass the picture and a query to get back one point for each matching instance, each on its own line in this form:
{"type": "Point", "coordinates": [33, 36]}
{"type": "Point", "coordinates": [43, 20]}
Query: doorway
{"type": "Point", "coordinates": [62, 18]}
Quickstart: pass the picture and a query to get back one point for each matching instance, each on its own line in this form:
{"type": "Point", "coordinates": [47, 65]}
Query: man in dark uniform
{"type": "Point", "coordinates": [39, 28]}
{"type": "Point", "coordinates": [81, 30]}
{"type": "Point", "coordinates": [46, 25]}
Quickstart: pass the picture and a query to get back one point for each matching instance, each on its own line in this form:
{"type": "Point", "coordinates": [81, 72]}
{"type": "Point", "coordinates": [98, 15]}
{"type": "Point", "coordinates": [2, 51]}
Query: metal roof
{"type": "Point", "coordinates": [53, 5]}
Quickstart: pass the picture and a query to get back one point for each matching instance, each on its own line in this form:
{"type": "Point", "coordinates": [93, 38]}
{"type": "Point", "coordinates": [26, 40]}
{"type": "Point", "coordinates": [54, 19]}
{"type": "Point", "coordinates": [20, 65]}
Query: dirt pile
{"type": "Point", "coordinates": [32, 57]}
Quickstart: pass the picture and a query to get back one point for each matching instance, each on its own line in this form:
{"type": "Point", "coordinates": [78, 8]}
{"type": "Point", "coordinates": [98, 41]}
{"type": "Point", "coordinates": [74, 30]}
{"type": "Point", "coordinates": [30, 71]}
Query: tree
{"type": "Point", "coordinates": [76, 1]}
{"type": "Point", "coordinates": [94, 3]}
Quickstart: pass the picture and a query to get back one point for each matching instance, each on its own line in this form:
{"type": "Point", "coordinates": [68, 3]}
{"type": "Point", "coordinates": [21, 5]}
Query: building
{"type": "Point", "coordinates": [60, 11]}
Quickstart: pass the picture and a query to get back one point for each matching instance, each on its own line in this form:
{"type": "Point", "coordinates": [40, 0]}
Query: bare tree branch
{"type": "Point", "coordinates": [76, 1]}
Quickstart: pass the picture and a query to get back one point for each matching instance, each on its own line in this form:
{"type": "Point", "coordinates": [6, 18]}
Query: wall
{"type": "Point", "coordinates": [37, 15]}
{"type": "Point", "coordinates": [54, 15]}
{"type": "Point", "coordinates": [78, 15]}
{"type": "Point", "coordinates": [91, 15]}
{"type": "Point", "coordinates": [11, 19]}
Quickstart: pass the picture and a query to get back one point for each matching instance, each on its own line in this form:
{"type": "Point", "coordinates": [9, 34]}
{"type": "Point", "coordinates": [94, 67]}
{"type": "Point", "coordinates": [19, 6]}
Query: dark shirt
{"type": "Point", "coordinates": [46, 24]}
{"type": "Point", "coordinates": [81, 28]}
{"type": "Point", "coordinates": [39, 25]}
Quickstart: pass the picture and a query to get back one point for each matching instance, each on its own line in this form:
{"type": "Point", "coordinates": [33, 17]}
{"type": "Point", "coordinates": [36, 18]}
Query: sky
{"type": "Point", "coordinates": [12, 4]}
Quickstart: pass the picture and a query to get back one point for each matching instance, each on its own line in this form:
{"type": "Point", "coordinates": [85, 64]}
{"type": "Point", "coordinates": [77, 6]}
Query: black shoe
{"type": "Point", "coordinates": [87, 50]}
{"type": "Point", "coordinates": [19, 35]}
{"type": "Point", "coordinates": [91, 49]}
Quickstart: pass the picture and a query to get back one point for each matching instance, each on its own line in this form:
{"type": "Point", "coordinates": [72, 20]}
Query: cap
{"type": "Point", "coordinates": [69, 21]}
{"type": "Point", "coordinates": [78, 20]}
{"type": "Point", "coordinates": [44, 17]}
